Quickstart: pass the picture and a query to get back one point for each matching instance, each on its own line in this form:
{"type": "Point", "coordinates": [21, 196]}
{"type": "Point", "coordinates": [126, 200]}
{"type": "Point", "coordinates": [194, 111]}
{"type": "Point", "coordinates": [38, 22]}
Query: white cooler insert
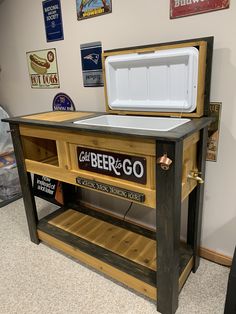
{"type": "Point", "coordinates": [159, 81]}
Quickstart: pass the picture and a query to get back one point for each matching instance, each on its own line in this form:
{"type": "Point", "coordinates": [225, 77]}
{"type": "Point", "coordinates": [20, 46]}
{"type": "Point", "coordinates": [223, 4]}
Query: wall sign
{"type": "Point", "coordinates": [53, 20]}
{"type": "Point", "coordinates": [180, 8]}
{"type": "Point", "coordinates": [92, 64]}
{"type": "Point", "coordinates": [110, 189]}
{"type": "Point", "coordinates": [213, 131]}
{"type": "Point", "coordinates": [92, 8]}
{"type": "Point", "coordinates": [63, 102]}
{"type": "Point", "coordinates": [126, 167]}
{"type": "Point", "coordinates": [48, 189]}
{"type": "Point", "coordinates": [43, 70]}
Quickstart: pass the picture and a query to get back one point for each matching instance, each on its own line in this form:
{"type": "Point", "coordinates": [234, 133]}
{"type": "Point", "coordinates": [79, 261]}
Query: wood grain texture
{"type": "Point", "coordinates": [85, 139]}
{"type": "Point", "coordinates": [98, 251]}
{"type": "Point", "coordinates": [63, 154]}
{"type": "Point", "coordinates": [196, 201]}
{"type": "Point", "coordinates": [53, 161]}
{"type": "Point", "coordinates": [38, 149]}
{"type": "Point", "coordinates": [90, 209]}
{"type": "Point", "coordinates": [108, 216]}
{"type": "Point", "coordinates": [105, 268]}
{"type": "Point", "coordinates": [59, 152]}
{"type": "Point", "coordinates": [106, 237]}
{"type": "Point", "coordinates": [130, 245]}
{"type": "Point", "coordinates": [189, 163]}
{"type": "Point", "coordinates": [215, 257]}
{"type": "Point", "coordinates": [58, 116]}
{"type": "Point", "coordinates": [70, 177]}
{"type": "Point", "coordinates": [113, 272]}
{"type": "Point", "coordinates": [26, 185]}
{"type": "Point", "coordinates": [183, 277]}
{"type": "Point", "coordinates": [168, 213]}
{"type": "Point", "coordinates": [154, 48]}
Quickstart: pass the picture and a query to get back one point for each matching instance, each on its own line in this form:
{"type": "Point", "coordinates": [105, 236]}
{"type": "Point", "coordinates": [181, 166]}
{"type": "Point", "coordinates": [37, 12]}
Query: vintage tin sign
{"type": "Point", "coordinates": [110, 189]}
{"type": "Point", "coordinates": [180, 8]}
{"type": "Point", "coordinates": [63, 102]}
{"type": "Point", "coordinates": [92, 8]}
{"type": "Point", "coordinates": [48, 189]}
{"type": "Point", "coordinates": [43, 70]}
{"type": "Point", "coordinates": [53, 20]}
{"type": "Point", "coordinates": [92, 64]}
{"type": "Point", "coordinates": [126, 167]}
{"type": "Point", "coordinates": [213, 131]}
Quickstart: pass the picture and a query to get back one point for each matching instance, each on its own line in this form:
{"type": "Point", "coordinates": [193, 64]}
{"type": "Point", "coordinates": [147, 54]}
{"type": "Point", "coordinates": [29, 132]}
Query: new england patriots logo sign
{"type": "Point", "coordinates": [93, 57]}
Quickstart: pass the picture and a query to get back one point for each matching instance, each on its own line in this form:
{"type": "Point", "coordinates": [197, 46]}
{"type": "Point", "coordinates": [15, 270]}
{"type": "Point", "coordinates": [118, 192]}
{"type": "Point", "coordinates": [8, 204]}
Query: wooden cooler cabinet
{"type": "Point", "coordinates": [128, 153]}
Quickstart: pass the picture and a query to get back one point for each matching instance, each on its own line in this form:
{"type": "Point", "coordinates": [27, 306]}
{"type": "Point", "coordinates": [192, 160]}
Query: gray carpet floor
{"type": "Point", "coordinates": [37, 279]}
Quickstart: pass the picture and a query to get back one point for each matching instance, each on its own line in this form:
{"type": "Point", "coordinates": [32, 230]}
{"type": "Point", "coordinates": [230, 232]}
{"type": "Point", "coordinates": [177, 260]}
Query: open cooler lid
{"type": "Point", "coordinates": [162, 80]}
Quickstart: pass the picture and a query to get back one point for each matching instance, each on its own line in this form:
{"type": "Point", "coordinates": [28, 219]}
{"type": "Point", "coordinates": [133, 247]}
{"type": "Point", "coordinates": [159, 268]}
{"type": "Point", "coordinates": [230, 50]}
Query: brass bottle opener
{"type": "Point", "coordinates": [164, 162]}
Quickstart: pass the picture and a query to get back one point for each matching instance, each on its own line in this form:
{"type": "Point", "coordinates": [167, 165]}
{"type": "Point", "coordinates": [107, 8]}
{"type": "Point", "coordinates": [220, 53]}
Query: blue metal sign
{"type": "Point", "coordinates": [92, 64]}
{"type": "Point", "coordinates": [53, 20]}
{"type": "Point", "coordinates": [63, 102]}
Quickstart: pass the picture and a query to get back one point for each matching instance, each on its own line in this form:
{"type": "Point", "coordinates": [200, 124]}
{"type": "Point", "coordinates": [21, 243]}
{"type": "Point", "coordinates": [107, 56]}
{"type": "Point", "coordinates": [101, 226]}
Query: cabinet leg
{"type": "Point", "coordinates": [168, 206]}
{"type": "Point", "coordinates": [69, 193]}
{"type": "Point", "coordinates": [26, 185]}
{"type": "Point", "coordinates": [196, 202]}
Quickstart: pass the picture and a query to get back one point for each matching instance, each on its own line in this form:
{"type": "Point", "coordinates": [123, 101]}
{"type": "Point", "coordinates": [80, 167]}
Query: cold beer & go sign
{"type": "Point", "coordinates": [180, 8]}
{"type": "Point", "coordinates": [126, 167]}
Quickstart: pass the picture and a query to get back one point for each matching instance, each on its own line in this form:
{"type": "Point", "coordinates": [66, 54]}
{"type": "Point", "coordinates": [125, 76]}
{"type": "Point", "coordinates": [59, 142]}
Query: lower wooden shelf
{"type": "Point", "coordinates": [124, 255]}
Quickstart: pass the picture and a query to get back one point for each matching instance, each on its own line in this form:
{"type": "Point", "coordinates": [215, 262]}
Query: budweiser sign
{"type": "Point", "coordinates": [126, 167]}
{"type": "Point", "coordinates": [180, 8]}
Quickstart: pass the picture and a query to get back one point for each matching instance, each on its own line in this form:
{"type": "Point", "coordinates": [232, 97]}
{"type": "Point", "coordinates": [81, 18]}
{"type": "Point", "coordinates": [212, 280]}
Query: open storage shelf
{"type": "Point", "coordinates": [130, 252]}
{"type": "Point", "coordinates": [40, 150]}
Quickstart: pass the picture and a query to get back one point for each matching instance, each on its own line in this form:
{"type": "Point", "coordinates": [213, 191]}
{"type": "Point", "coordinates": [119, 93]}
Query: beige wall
{"type": "Point", "coordinates": [131, 23]}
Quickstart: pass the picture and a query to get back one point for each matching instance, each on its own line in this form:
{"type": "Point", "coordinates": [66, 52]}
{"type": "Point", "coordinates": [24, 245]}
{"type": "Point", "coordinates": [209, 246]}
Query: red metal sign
{"type": "Point", "coordinates": [180, 8]}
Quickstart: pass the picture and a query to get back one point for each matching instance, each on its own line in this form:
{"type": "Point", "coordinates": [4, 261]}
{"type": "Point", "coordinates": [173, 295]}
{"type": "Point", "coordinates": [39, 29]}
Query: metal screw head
{"type": "Point", "coordinates": [165, 167]}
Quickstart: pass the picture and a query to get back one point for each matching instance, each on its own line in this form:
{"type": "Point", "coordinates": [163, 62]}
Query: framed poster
{"type": "Point", "coordinates": [53, 20]}
{"type": "Point", "coordinates": [91, 8]}
{"type": "Point", "coordinates": [43, 71]}
{"type": "Point", "coordinates": [181, 8]}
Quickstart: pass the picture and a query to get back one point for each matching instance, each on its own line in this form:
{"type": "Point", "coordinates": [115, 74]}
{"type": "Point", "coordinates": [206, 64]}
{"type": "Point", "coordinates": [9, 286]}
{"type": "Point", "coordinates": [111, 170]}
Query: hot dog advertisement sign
{"type": "Point", "coordinates": [43, 69]}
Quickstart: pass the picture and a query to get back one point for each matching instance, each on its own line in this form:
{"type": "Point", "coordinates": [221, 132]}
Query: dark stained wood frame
{"type": "Point", "coordinates": [168, 217]}
{"type": "Point", "coordinates": [26, 184]}
{"type": "Point", "coordinates": [168, 208]}
{"type": "Point", "coordinates": [196, 202]}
